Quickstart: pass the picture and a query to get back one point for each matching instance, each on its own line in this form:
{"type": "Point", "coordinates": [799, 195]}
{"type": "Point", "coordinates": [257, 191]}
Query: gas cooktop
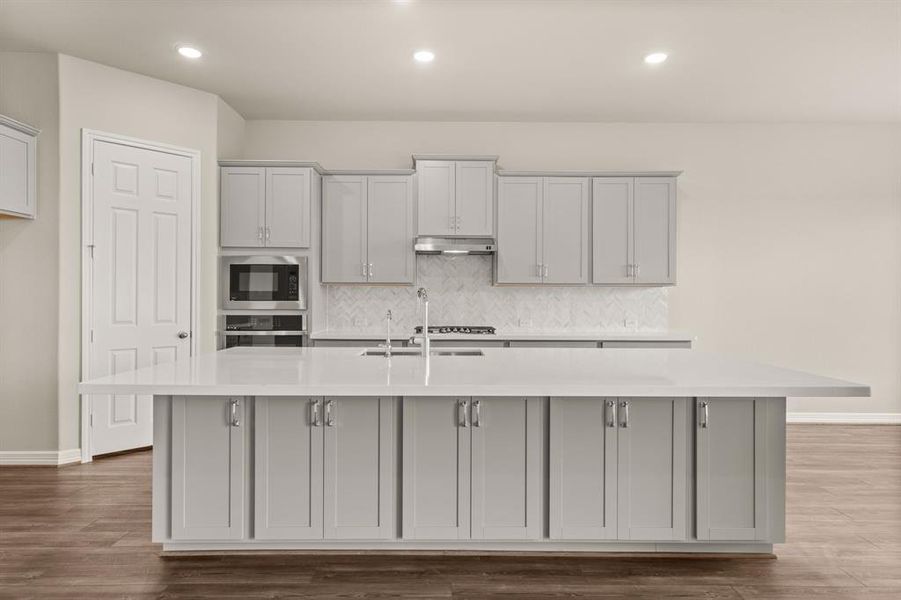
{"type": "Point", "coordinates": [466, 329]}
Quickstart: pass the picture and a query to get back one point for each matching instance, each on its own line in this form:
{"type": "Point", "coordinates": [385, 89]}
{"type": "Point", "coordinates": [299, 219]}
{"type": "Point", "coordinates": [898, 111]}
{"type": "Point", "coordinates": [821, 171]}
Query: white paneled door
{"type": "Point", "coordinates": [141, 284]}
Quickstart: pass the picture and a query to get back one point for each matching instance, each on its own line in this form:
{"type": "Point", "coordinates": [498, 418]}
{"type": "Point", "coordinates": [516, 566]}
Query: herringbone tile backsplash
{"type": "Point", "coordinates": [461, 292]}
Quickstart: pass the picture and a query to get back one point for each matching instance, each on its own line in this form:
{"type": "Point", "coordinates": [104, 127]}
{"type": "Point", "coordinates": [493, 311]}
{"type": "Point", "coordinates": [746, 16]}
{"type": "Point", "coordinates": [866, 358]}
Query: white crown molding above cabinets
{"type": "Point", "coordinates": [506, 173]}
{"type": "Point", "coordinates": [455, 157]}
{"type": "Point", "coordinates": [51, 458]}
{"type": "Point", "coordinates": [306, 164]}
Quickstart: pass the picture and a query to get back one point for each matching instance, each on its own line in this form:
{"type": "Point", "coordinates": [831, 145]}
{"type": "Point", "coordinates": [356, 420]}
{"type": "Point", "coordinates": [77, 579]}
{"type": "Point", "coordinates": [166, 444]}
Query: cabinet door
{"type": "Point", "coordinates": [288, 468]}
{"type": "Point", "coordinates": [582, 469]}
{"type": "Point", "coordinates": [519, 230]}
{"type": "Point", "coordinates": [344, 229]}
{"type": "Point", "coordinates": [436, 455]}
{"type": "Point", "coordinates": [654, 228]}
{"type": "Point", "coordinates": [506, 468]}
{"type": "Point", "coordinates": [565, 230]}
{"type": "Point", "coordinates": [731, 469]}
{"type": "Point", "coordinates": [437, 183]}
{"type": "Point", "coordinates": [359, 468]}
{"type": "Point", "coordinates": [18, 168]}
{"type": "Point", "coordinates": [390, 229]}
{"type": "Point", "coordinates": [288, 208]}
{"type": "Point", "coordinates": [242, 205]}
{"type": "Point", "coordinates": [611, 200]}
{"type": "Point", "coordinates": [652, 468]}
{"type": "Point", "coordinates": [475, 198]}
{"type": "Point", "coordinates": [207, 468]}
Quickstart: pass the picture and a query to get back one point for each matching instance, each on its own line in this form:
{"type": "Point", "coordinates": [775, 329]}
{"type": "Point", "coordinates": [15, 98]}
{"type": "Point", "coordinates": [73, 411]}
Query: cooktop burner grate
{"type": "Point", "coordinates": [465, 329]}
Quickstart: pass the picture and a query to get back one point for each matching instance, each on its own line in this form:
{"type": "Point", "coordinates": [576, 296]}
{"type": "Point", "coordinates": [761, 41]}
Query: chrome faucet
{"type": "Point", "coordinates": [387, 344]}
{"type": "Point", "coordinates": [423, 295]}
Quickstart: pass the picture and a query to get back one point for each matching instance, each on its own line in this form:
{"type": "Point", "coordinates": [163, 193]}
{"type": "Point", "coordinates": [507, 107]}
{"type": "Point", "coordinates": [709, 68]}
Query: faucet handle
{"type": "Point", "coordinates": [388, 315]}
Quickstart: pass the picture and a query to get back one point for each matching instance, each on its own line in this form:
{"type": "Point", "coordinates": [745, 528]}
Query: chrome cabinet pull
{"type": "Point", "coordinates": [704, 417]}
{"type": "Point", "coordinates": [235, 421]}
{"type": "Point", "coordinates": [363, 270]}
{"type": "Point", "coordinates": [268, 232]}
{"type": "Point", "coordinates": [329, 414]}
{"type": "Point", "coordinates": [636, 270]}
{"type": "Point", "coordinates": [625, 421]}
{"type": "Point", "coordinates": [545, 270]}
{"type": "Point", "coordinates": [452, 222]}
{"type": "Point", "coordinates": [315, 419]}
{"type": "Point", "coordinates": [370, 269]}
{"type": "Point", "coordinates": [630, 271]}
{"type": "Point", "coordinates": [260, 235]}
{"type": "Point", "coordinates": [611, 413]}
{"type": "Point", "coordinates": [476, 413]}
{"type": "Point", "coordinates": [461, 413]}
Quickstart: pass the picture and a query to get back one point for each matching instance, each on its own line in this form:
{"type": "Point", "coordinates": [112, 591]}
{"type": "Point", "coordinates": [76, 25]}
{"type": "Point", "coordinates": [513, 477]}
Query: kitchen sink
{"type": "Point", "coordinates": [405, 352]}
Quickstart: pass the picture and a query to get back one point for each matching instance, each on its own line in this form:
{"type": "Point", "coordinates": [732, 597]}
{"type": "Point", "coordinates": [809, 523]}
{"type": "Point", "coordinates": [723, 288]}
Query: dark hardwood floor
{"type": "Point", "coordinates": [83, 532]}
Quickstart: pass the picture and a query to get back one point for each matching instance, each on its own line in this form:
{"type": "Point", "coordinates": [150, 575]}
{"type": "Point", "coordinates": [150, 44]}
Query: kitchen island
{"type": "Point", "coordinates": [540, 449]}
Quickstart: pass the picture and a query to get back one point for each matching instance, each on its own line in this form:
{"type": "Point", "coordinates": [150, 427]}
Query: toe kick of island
{"type": "Point", "coordinates": [498, 473]}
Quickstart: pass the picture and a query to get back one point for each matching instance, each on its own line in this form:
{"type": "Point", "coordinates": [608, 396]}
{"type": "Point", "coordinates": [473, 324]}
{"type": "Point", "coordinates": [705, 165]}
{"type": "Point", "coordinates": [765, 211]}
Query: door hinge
{"type": "Point", "coordinates": [92, 336]}
{"type": "Point", "coordinates": [91, 420]}
{"type": "Point", "coordinates": [92, 246]}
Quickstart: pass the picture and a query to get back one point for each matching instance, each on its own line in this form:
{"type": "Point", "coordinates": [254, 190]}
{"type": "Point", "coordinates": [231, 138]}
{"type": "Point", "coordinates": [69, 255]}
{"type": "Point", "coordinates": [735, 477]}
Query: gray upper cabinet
{"type": "Point", "coordinates": [18, 168]}
{"type": "Point", "coordinates": [288, 468]}
{"type": "Point", "coordinates": [208, 441]}
{"type": "Point", "coordinates": [367, 229]}
{"type": "Point", "coordinates": [265, 207]}
{"type": "Point", "coordinates": [618, 468]}
{"type": "Point", "coordinates": [634, 230]}
{"type": "Point", "coordinates": [456, 197]}
{"type": "Point", "coordinates": [543, 230]}
{"type": "Point", "coordinates": [506, 468]}
{"type": "Point", "coordinates": [436, 468]}
{"type": "Point", "coordinates": [360, 459]}
{"type": "Point", "coordinates": [652, 463]}
{"type": "Point", "coordinates": [731, 469]}
{"type": "Point", "coordinates": [472, 468]}
{"type": "Point", "coordinates": [519, 229]}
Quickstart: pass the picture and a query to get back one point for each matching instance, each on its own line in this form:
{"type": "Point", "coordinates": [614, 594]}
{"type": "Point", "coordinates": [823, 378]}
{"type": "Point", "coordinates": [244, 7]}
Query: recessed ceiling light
{"type": "Point", "coordinates": [424, 56]}
{"type": "Point", "coordinates": [189, 52]}
{"type": "Point", "coordinates": [655, 58]}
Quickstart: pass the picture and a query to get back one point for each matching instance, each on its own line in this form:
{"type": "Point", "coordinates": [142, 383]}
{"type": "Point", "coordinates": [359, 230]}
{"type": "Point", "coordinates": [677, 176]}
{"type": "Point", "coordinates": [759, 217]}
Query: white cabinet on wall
{"type": "Point", "coordinates": [265, 206]}
{"type": "Point", "coordinates": [324, 468]}
{"type": "Point", "coordinates": [634, 230]}
{"type": "Point", "coordinates": [618, 468]}
{"type": "Point", "coordinates": [18, 168]}
{"type": "Point", "coordinates": [543, 230]}
{"type": "Point", "coordinates": [472, 468]}
{"type": "Point", "coordinates": [367, 228]}
{"type": "Point", "coordinates": [456, 197]}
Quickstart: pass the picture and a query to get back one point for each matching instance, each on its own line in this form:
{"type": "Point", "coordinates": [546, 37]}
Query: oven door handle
{"type": "Point", "coordinates": [237, 332]}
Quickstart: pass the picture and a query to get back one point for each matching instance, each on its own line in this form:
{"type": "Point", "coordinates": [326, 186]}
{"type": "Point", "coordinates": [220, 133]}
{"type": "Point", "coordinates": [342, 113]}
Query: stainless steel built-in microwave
{"type": "Point", "coordinates": [264, 282]}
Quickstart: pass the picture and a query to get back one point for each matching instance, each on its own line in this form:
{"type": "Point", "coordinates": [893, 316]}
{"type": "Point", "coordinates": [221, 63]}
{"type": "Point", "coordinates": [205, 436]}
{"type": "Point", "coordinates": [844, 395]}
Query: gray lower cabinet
{"type": "Point", "coordinates": [472, 468]}
{"type": "Point", "coordinates": [208, 441]}
{"type": "Point", "coordinates": [288, 468]}
{"type": "Point", "coordinates": [618, 468]}
{"type": "Point", "coordinates": [731, 469]}
{"type": "Point", "coordinates": [324, 468]}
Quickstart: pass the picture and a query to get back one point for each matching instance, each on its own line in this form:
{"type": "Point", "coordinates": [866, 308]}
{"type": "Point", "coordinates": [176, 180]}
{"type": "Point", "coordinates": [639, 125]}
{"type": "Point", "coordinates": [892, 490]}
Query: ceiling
{"type": "Point", "coordinates": [497, 60]}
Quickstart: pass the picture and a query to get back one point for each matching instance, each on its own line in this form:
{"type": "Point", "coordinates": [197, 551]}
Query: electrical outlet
{"type": "Point", "coordinates": [525, 323]}
{"type": "Point", "coordinates": [630, 323]}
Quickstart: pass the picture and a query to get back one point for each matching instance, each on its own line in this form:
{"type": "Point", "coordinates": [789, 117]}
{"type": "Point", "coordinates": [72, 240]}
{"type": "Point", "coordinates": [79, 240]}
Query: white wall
{"type": "Point", "coordinates": [789, 234]}
{"type": "Point", "coordinates": [29, 262]}
{"type": "Point", "coordinates": [93, 96]}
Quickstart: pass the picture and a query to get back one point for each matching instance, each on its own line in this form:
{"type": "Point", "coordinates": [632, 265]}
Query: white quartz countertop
{"type": "Point", "coordinates": [519, 335]}
{"type": "Point", "coordinates": [500, 372]}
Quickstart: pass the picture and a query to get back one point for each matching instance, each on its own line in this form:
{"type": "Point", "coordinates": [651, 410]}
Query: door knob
{"type": "Point", "coordinates": [183, 334]}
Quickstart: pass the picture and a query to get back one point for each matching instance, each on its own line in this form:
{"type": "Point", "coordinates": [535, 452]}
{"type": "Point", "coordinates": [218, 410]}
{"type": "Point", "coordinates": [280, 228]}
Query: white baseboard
{"type": "Point", "coordinates": [844, 418]}
{"type": "Point", "coordinates": [40, 457]}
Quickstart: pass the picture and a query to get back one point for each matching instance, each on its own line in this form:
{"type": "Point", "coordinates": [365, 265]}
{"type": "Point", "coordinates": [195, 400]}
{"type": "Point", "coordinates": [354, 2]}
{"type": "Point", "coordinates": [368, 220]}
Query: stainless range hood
{"type": "Point", "coordinates": [447, 245]}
